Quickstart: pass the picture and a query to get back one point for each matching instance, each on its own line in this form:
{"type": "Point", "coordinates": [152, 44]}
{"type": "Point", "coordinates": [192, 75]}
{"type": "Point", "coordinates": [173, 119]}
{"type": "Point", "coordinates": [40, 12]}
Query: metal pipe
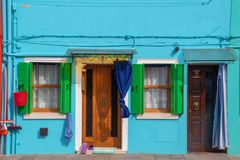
{"type": "Point", "coordinates": [35, 55]}
{"type": "Point", "coordinates": [8, 49]}
{"type": "Point", "coordinates": [7, 121]}
{"type": "Point", "coordinates": [1, 79]}
{"type": "Point", "coordinates": [126, 37]}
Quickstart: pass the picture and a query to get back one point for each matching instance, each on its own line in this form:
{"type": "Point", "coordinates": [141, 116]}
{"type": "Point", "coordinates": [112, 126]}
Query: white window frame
{"type": "Point", "coordinates": [157, 115]}
{"type": "Point", "coordinates": [45, 115]}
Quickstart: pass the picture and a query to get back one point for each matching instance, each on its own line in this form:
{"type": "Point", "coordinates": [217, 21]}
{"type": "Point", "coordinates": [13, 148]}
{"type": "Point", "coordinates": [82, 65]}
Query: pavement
{"type": "Point", "coordinates": [196, 156]}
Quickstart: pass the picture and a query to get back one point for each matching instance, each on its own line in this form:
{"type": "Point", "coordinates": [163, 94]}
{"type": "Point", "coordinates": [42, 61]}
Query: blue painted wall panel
{"type": "Point", "coordinates": [167, 20]}
{"type": "Point", "coordinates": [30, 142]}
{"type": "Point", "coordinates": [233, 108]}
{"type": "Point", "coordinates": [75, 18]}
{"type": "Point", "coordinates": [234, 103]}
{"type": "Point", "coordinates": [157, 136]}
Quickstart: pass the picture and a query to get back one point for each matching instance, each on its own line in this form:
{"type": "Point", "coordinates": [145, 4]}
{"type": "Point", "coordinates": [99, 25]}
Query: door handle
{"type": "Point", "coordinates": [196, 106]}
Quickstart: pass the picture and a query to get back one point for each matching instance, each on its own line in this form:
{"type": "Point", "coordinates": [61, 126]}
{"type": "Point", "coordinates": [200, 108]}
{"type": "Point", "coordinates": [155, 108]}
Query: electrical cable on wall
{"type": "Point", "coordinates": [32, 40]}
{"type": "Point", "coordinates": [116, 45]}
{"type": "Point", "coordinates": [126, 37]}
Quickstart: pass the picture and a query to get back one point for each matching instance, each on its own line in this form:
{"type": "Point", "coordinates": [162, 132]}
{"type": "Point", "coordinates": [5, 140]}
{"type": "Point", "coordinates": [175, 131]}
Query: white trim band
{"type": "Point", "coordinates": [46, 60]}
{"type": "Point", "coordinates": [44, 115]}
{"type": "Point", "coordinates": [157, 61]}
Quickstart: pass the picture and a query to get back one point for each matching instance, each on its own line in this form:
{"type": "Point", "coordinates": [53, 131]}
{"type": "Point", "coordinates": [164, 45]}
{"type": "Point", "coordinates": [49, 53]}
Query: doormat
{"type": "Point", "coordinates": [104, 150]}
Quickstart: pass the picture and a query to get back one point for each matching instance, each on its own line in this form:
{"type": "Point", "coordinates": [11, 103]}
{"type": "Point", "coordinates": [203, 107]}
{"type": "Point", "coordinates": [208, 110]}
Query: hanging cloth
{"type": "Point", "coordinates": [68, 128]}
{"type": "Point", "coordinates": [123, 74]}
{"type": "Point", "coordinates": [220, 131]}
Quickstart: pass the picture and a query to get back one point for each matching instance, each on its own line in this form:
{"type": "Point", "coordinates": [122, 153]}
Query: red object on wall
{"type": "Point", "coordinates": [20, 98]}
{"type": "Point", "coordinates": [3, 130]}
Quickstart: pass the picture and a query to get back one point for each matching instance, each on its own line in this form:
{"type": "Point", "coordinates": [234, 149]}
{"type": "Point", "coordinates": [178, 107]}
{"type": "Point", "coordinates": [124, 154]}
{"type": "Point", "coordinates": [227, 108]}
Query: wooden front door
{"type": "Point", "coordinates": [101, 110]}
{"type": "Point", "coordinates": [202, 82]}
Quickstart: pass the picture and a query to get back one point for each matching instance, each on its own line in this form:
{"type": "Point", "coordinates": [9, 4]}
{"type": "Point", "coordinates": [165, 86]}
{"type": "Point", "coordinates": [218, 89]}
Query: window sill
{"type": "Point", "coordinates": [44, 115]}
{"type": "Point", "coordinates": [157, 116]}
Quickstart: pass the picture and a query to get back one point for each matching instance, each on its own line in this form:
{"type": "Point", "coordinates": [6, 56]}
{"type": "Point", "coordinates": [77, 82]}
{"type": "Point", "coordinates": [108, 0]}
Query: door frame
{"type": "Point", "coordinates": [78, 112]}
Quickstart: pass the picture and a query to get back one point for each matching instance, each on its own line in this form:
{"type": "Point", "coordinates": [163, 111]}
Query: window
{"type": "Point", "coordinates": [157, 88]}
{"type": "Point", "coordinates": [48, 86]}
{"type": "Point", "coordinates": [45, 87]}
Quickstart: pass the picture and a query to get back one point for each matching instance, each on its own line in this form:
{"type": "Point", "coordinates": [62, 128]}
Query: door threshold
{"type": "Point", "coordinates": [208, 152]}
{"type": "Point", "coordinates": [118, 151]}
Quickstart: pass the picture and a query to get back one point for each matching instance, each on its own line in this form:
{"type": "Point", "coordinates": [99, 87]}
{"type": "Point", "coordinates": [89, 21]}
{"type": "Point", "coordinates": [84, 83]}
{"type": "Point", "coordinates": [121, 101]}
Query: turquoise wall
{"type": "Point", "coordinates": [29, 142]}
{"type": "Point", "coordinates": [233, 89]}
{"type": "Point", "coordinates": [51, 27]}
{"type": "Point", "coordinates": [111, 18]}
{"type": "Point", "coordinates": [233, 108]}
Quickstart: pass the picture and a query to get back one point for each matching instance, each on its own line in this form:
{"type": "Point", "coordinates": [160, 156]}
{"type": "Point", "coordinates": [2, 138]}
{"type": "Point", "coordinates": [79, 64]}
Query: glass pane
{"type": "Point", "coordinates": [210, 91]}
{"type": "Point", "coordinates": [114, 131]}
{"type": "Point", "coordinates": [156, 75]}
{"type": "Point", "coordinates": [156, 98]}
{"type": "Point", "coordinates": [46, 73]}
{"type": "Point", "coordinates": [45, 98]}
{"type": "Point", "coordinates": [89, 106]}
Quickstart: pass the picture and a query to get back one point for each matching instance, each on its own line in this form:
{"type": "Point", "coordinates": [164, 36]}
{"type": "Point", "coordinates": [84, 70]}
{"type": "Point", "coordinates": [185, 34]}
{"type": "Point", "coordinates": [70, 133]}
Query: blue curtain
{"type": "Point", "coordinates": [123, 74]}
{"type": "Point", "coordinates": [220, 131]}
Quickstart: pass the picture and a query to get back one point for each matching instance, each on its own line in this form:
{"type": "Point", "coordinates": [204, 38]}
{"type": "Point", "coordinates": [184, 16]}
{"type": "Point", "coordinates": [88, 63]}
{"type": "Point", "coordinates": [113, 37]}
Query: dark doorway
{"type": "Point", "coordinates": [202, 83]}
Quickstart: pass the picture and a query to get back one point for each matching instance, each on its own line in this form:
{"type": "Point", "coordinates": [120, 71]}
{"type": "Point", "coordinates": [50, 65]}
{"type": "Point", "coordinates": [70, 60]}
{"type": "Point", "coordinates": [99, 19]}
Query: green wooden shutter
{"type": "Point", "coordinates": [138, 89]}
{"type": "Point", "coordinates": [25, 71]}
{"type": "Point", "coordinates": [176, 89]}
{"type": "Point", "coordinates": [65, 88]}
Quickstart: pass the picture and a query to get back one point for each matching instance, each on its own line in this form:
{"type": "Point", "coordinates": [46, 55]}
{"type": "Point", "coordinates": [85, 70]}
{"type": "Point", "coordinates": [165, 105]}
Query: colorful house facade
{"type": "Point", "coordinates": [174, 65]}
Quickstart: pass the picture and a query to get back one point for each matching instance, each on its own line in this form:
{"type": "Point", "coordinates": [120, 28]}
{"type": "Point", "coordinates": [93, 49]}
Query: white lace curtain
{"type": "Point", "coordinates": [156, 75]}
{"type": "Point", "coordinates": [46, 74]}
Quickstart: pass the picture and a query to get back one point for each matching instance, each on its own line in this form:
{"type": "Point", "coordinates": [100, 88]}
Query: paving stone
{"type": "Point", "coordinates": [25, 158]}
{"type": "Point", "coordinates": [118, 157]}
{"type": "Point", "coordinates": [177, 157]}
{"type": "Point", "coordinates": [101, 157]}
{"type": "Point", "coordinates": [221, 158]}
{"type": "Point", "coordinates": [147, 157]}
{"type": "Point", "coordinates": [8, 158]}
{"type": "Point", "coordinates": [162, 157]}
{"type": "Point", "coordinates": [190, 157]}
{"type": "Point", "coordinates": [234, 157]}
{"type": "Point", "coordinates": [84, 157]}
{"type": "Point", "coordinates": [46, 158]}
{"type": "Point", "coordinates": [205, 156]}
{"type": "Point", "coordinates": [124, 157]}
